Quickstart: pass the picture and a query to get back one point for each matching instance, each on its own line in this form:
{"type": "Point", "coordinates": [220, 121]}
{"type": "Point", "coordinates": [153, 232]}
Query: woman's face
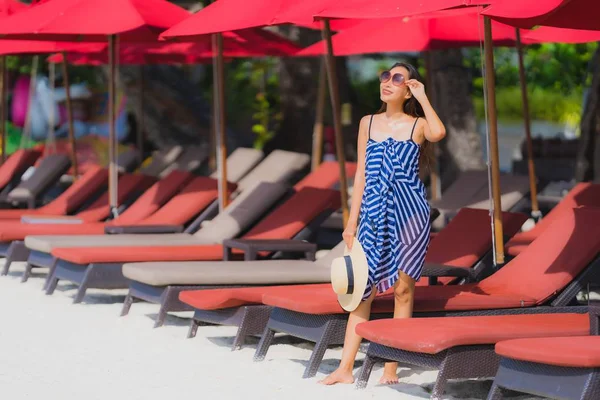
{"type": "Point", "coordinates": [391, 91]}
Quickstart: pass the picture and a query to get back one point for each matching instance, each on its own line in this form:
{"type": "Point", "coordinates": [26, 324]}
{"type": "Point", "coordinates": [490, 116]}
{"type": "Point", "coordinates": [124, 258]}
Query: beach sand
{"type": "Point", "coordinates": [52, 349]}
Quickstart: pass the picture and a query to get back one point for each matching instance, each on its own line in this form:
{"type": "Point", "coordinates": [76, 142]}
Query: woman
{"type": "Point", "coordinates": [391, 202]}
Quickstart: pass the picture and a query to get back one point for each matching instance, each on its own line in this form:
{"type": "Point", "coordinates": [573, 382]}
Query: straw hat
{"type": "Point", "coordinates": [349, 276]}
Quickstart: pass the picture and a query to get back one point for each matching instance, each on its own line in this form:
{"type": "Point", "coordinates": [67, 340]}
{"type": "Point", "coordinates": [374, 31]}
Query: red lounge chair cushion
{"type": "Point", "coordinates": [433, 335]}
{"type": "Point", "coordinates": [17, 162]}
{"type": "Point", "coordinates": [327, 175]}
{"type": "Point", "coordinates": [579, 352]}
{"type": "Point", "coordinates": [283, 223]}
{"type": "Point", "coordinates": [17, 231]}
{"type": "Point", "coordinates": [216, 299]}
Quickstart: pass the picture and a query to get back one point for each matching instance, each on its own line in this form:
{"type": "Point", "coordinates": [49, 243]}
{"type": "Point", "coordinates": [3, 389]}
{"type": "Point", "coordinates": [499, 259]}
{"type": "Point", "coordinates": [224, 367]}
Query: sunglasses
{"type": "Point", "coordinates": [397, 79]}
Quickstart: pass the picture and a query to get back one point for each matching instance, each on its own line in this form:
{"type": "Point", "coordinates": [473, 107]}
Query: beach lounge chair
{"type": "Point", "coordinates": [190, 159]}
{"type": "Point", "coordinates": [46, 174]}
{"type": "Point", "coordinates": [554, 367]}
{"type": "Point", "coordinates": [583, 194]}
{"type": "Point", "coordinates": [15, 166]}
{"type": "Point", "coordinates": [550, 272]}
{"type": "Point", "coordinates": [72, 199]}
{"type": "Point", "coordinates": [464, 243]}
{"type": "Point", "coordinates": [471, 190]}
{"type": "Point", "coordinates": [299, 215]}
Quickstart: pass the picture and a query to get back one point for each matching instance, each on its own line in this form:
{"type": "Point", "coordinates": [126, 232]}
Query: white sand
{"type": "Point", "coordinates": [52, 349]}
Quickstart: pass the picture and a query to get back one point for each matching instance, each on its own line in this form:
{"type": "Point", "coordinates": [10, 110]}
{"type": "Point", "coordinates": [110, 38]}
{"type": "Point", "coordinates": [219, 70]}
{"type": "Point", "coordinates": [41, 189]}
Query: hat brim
{"type": "Point", "coordinates": [350, 302]}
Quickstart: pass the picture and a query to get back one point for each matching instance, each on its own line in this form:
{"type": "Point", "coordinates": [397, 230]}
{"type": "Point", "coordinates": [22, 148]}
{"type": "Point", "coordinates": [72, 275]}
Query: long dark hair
{"type": "Point", "coordinates": [413, 108]}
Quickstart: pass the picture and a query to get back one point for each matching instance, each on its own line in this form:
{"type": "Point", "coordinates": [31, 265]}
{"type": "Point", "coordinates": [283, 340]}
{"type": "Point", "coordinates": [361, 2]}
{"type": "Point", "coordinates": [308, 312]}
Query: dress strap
{"type": "Point", "coordinates": [370, 122]}
{"type": "Point", "coordinates": [413, 128]}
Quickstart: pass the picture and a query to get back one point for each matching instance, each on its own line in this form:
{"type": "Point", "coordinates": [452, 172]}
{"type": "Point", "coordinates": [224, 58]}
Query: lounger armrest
{"type": "Point", "coordinates": [148, 229]}
{"type": "Point", "coordinates": [434, 271]}
{"type": "Point", "coordinates": [252, 247]}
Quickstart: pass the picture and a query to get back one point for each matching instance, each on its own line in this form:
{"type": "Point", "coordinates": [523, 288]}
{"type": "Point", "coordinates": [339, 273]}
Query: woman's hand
{"type": "Point", "coordinates": [417, 89]}
{"type": "Point", "coordinates": [348, 236]}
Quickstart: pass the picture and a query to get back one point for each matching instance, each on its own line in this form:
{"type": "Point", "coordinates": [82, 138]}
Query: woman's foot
{"type": "Point", "coordinates": [388, 379]}
{"type": "Point", "coordinates": [338, 376]}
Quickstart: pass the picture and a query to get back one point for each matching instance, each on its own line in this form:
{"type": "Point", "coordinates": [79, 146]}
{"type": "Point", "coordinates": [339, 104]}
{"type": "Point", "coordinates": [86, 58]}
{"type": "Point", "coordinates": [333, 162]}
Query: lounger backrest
{"type": "Point", "coordinates": [49, 170]}
{"type": "Point", "coordinates": [128, 186]}
{"type": "Point", "coordinates": [295, 214]}
{"type": "Point", "coordinates": [583, 194]}
{"type": "Point", "coordinates": [326, 176]}
{"type": "Point", "coordinates": [154, 198]}
{"type": "Point", "coordinates": [190, 160]}
{"type": "Point", "coordinates": [552, 260]}
{"type": "Point", "coordinates": [95, 179]}
{"type": "Point", "coordinates": [161, 160]}
{"type": "Point", "coordinates": [240, 162]}
{"type": "Point", "coordinates": [16, 164]}
{"type": "Point", "coordinates": [198, 194]}
{"type": "Point", "coordinates": [279, 166]}
{"type": "Point", "coordinates": [464, 188]}
{"type": "Point", "coordinates": [241, 213]}
{"type": "Point", "coordinates": [468, 237]}
{"type": "Point", "coordinates": [512, 188]}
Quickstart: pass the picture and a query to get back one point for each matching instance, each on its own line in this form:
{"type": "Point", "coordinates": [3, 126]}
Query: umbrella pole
{"type": "Point", "coordinates": [490, 83]}
{"type": "Point", "coordinates": [434, 173]}
{"type": "Point", "coordinates": [535, 208]}
{"type": "Point", "coordinates": [334, 95]}
{"type": "Point", "coordinates": [112, 167]}
{"type": "Point", "coordinates": [317, 155]}
{"type": "Point", "coordinates": [219, 118]}
{"type": "Point", "coordinates": [3, 105]}
{"type": "Point", "coordinates": [70, 117]}
{"type": "Point", "coordinates": [140, 132]}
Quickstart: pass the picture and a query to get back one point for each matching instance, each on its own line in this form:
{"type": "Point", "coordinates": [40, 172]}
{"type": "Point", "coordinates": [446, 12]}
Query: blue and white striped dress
{"type": "Point", "coordinates": [394, 216]}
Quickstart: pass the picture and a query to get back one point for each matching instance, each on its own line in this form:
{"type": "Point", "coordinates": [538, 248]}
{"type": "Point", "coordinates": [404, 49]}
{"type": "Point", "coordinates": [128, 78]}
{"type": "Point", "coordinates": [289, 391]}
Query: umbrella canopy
{"type": "Point", "coordinates": [576, 14]}
{"type": "Point", "coordinates": [93, 20]}
{"type": "Point", "coordinates": [367, 9]}
{"type": "Point", "coordinates": [547, 34]}
{"type": "Point", "coordinates": [232, 15]}
{"type": "Point", "coordinates": [441, 30]}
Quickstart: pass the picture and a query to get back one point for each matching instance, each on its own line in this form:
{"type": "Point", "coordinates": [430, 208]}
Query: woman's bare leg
{"type": "Point", "coordinates": [343, 374]}
{"type": "Point", "coordinates": [404, 290]}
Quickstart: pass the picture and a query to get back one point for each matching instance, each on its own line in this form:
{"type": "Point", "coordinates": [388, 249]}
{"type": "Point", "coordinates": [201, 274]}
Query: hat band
{"type": "Point", "coordinates": [350, 273]}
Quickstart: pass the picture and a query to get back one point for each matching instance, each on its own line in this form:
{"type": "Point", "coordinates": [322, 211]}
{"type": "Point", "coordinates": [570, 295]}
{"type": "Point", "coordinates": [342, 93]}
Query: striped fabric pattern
{"type": "Point", "coordinates": [394, 217]}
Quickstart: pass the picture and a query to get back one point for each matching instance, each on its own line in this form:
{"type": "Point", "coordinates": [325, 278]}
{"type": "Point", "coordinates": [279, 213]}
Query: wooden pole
{"type": "Point", "coordinates": [3, 105]}
{"type": "Point", "coordinates": [219, 119]}
{"type": "Point", "coordinates": [140, 132]}
{"type": "Point", "coordinates": [334, 95]}
{"type": "Point", "coordinates": [434, 174]}
{"type": "Point", "coordinates": [112, 140]}
{"type": "Point", "coordinates": [535, 208]}
{"type": "Point", "coordinates": [493, 140]}
{"type": "Point", "coordinates": [72, 143]}
{"type": "Point", "coordinates": [317, 153]}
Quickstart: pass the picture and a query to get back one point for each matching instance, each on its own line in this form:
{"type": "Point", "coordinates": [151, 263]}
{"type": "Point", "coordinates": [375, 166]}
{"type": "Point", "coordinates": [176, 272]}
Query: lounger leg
{"type": "Point", "coordinates": [50, 275]}
{"type": "Point", "coordinates": [27, 273]}
{"type": "Point", "coordinates": [53, 282]}
{"type": "Point", "coordinates": [194, 324]}
{"type": "Point", "coordinates": [365, 371]}
{"type": "Point", "coordinates": [264, 344]}
{"type": "Point", "coordinates": [160, 318]}
{"type": "Point", "coordinates": [80, 293]}
{"type": "Point", "coordinates": [496, 393]}
{"type": "Point", "coordinates": [468, 362]}
{"type": "Point", "coordinates": [333, 332]}
{"type": "Point", "coordinates": [253, 322]}
{"type": "Point", "coordinates": [127, 304]}
{"type": "Point", "coordinates": [16, 252]}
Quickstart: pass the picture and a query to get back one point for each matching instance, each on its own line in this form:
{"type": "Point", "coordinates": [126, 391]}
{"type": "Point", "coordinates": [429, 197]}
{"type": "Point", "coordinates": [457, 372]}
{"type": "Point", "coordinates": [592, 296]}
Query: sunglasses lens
{"type": "Point", "coordinates": [385, 76]}
{"type": "Point", "coordinates": [398, 79]}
